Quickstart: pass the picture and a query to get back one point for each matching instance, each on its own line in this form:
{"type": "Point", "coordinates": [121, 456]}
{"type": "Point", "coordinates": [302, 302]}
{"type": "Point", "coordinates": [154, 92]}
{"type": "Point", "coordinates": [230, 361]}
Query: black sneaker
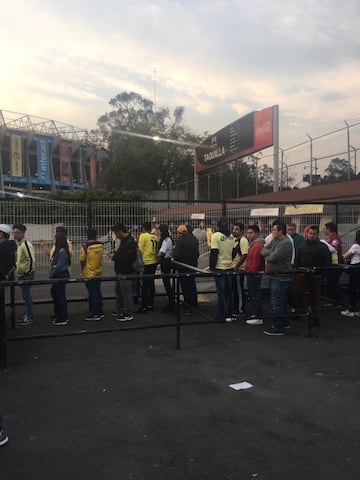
{"type": "Point", "coordinates": [274, 332]}
{"type": "Point", "coordinates": [26, 320]}
{"type": "Point", "coordinates": [124, 318]}
{"type": "Point", "coordinates": [93, 317]}
{"type": "Point", "coordinates": [114, 314]}
{"type": "Point", "coordinates": [57, 321]}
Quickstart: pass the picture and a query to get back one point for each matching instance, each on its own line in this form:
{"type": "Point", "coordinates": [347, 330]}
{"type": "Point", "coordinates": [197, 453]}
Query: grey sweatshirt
{"type": "Point", "coordinates": [278, 254]}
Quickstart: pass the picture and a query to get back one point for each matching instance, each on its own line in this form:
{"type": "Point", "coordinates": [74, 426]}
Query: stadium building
{"type": "Point", "coordinates": [38, 154]}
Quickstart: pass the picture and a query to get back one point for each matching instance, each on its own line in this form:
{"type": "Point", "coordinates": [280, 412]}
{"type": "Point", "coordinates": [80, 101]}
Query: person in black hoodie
{"type": "Point", "coordinates": [187, 251]}
{"type": "Point", "coordinates": [124, 258]}
{"type": "Point", "coordinates": [311, 253]}
{"type": "Point", "coordinates": [7, 252]}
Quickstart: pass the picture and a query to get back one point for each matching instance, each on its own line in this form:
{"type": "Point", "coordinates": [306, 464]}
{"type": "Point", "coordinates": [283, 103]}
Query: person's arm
{"type": "Point", "coordinates": [45, 247]}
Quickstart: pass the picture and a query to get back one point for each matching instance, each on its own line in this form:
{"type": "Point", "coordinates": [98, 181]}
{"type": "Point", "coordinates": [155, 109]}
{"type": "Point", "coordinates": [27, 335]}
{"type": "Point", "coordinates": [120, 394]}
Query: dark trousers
{"type": "Point", "coordinates": [188, 288]}
{"type": "Point", "coordinates": [354, 285]}
{"type": "Point", "coordinates": [333, 276]}
{"type": "Point", "coordinates": [93, 286]}
{"type": "Point", "coordinates": [166, 268]}
{"type": "Point", "coordinates": [239, 293]}
{"type": "Point", "coordinates": [312, 284]}
{"type": "Point", "coordinates": [60, 301]}
{"type": "Point", "coordinates": [148, 286]}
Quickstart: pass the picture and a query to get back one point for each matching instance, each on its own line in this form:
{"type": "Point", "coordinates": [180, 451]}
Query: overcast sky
{"type": "Point", "coordinates": [221, 59]}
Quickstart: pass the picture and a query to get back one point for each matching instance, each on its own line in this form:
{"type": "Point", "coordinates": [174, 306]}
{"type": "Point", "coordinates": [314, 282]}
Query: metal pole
{"type": "Point", "coordinates": [276, 146]}
{"type": "Point", "coordinates": [354, 158]}
{"type": "Point", "coordinates": [311, 160]}
{"type": "Point", "coordinates": [348, 147]}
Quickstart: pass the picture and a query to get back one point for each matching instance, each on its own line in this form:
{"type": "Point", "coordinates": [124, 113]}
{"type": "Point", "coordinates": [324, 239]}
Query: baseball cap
{"type": "Point", "coordinates": [5, 228]}
{"type": "Point", "coordinates": [182, 229]}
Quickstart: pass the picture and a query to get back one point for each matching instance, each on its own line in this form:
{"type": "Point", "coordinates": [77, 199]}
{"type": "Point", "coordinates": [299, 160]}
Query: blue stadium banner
{"type": "Point", "coordinates": [43, 160]}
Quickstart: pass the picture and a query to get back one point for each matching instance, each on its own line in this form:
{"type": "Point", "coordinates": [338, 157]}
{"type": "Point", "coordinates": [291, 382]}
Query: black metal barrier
{"type": "Point", "coordinates": [197, 273]}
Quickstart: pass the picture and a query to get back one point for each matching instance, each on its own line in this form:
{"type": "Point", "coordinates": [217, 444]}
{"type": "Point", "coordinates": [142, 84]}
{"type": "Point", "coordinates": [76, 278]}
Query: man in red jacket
{"type": "Point", "coordinates": [255, 263]}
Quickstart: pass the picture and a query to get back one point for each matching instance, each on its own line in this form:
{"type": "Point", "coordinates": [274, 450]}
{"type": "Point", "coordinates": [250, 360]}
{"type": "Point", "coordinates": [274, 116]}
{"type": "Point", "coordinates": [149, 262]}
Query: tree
{"type": "Point", "coordinates": [338, 170]}
{"type": "Point", "coordinates": [147, 149]}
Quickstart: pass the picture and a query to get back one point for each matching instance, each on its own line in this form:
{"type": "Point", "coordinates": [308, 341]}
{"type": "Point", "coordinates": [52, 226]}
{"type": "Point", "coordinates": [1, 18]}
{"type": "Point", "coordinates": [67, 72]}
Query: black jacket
{"type": "Point", "coordinates": [125, 256]}
{"type": "Point", "coordinates": [7, 257]}
{"type": "Point", "coordinates": [312, 253]}
{"type": "Point", "coordinates": [187, 250]}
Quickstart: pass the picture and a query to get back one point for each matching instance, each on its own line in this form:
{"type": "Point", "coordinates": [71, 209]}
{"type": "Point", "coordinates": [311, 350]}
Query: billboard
{"type": "Point", "coordinates": [245, 136]}
{"type": "Point", "coordinates": [64, 158]}
{"type": "Point", "coordinates": [16, 152]}
{"type": "Point", "coordinates": [43, 160]}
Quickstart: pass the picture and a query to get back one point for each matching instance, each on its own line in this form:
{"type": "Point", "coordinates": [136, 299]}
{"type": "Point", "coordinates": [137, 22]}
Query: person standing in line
{"type": "Point", "coordinates": [333, 275]}
{"type": "Point", "coordinates": [353, 254]}
{"type": "Point", "coordinates": [221, 263]}
{"type": "Point", "coordinates": [60, 262]}
{"type": "Point", "coordinates": [165, 255]}
{"type": "Point", "coordinates": [240, 252]}
{"type": "Point", "coordinates": [187, 251]}
{"type": "Point", "coordinates": [25, 270]}
{"type": "Point", "coordinates": [3, 437]}
{"type": "Point", "coordinates": [91, 256]}
{"type": "Point", "coordinates": [49, 251]}
{"type": "Point", "coordinates": [278, 254]}
{"type": "Point", "coordinates": [124, 258]}
{"type": "Point", "coordinates": [7, 252]}
{"type": "Point", "coordinates": [255, 263]}
{"type": "Point", "coordinates": [296, 237]}
{"type": "Point", "coordinates": [312, 253]}
{"type": "Point", "coordinates": [148, 246]}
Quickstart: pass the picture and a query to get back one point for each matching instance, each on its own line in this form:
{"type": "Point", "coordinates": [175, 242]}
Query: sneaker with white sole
{"type": "Point", "coordinates": [124, 318]}
{"type": "Point", "coordinates": [347, 313]}
{"type": "Point", "coordinates": [27, 320]}
{"type": "Point", "coordinates": [93, 317]}
{"type": "Point", "coordinates": [255, 321]}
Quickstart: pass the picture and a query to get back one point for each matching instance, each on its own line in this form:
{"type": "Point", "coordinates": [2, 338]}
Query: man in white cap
{"type": "Point", "coordinates": [7, 252]}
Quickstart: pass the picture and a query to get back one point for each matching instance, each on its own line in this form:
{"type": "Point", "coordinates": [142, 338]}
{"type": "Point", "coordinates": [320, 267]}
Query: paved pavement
{"type": "Point", "coordinates": [126, 405]}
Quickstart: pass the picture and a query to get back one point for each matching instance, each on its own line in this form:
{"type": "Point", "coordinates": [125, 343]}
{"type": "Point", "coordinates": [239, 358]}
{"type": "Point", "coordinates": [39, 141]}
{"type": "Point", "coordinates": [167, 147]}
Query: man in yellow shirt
{"type": "Point", "coordinates": [221, 262]}
{"type": "Point", "coordinates": [25, 266]}
{"type": "Point", "coordinates": [91, 255]}
{"type": "Point", "coordinates": [148, 246]}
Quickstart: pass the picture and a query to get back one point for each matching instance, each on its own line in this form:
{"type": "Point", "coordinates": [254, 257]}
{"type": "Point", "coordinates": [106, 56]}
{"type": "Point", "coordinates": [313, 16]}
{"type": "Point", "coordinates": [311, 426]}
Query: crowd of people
{"type": "Point", "coordinates": [232, 248]}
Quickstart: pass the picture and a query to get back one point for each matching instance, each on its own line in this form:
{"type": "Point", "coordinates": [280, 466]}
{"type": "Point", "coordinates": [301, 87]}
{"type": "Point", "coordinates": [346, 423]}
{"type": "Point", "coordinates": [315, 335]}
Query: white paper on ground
{"type": "Point", "coordinates": [241, 385]}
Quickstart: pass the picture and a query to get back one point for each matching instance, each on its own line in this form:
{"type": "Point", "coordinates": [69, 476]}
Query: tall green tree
{"type": "Point", "coordinates": [148, 149]}
{"type": "Point", "coordinates": [338, 170]}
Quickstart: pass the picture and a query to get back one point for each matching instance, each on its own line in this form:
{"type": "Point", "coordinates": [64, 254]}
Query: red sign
{"type": "Point", "coordinates": [64, 162]}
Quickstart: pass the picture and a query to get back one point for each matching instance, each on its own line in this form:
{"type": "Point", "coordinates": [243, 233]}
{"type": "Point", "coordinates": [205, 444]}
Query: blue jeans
{"type": "Point", "coordinates": [225, 293]}
{"type": "Point", "coordinates": [254, 289]}
{"type": "Point", "coordinates": [279, 290]}
{"type": "Point", "coordinates": [95, 297]}
{"type": "Point", "coordinates": [124, 296]}
{"type": "Point", "coordinates": [26, 293]}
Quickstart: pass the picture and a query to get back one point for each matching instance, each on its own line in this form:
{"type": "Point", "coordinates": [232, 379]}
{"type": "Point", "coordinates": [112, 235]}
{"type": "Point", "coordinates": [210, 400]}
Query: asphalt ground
{"type": "Point", "coordinates": [127, 405]}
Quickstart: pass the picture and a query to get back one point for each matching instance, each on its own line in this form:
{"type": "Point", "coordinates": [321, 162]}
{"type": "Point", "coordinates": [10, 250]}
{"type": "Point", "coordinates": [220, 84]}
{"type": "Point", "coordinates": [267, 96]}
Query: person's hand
{"type": "Point", "coordinates": [42, 243]}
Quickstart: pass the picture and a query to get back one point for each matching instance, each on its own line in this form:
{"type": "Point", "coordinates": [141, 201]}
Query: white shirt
{"type": "Point", "coordinates": [167, 247]}
{"type": "Point", "coordinates": [355, 251]}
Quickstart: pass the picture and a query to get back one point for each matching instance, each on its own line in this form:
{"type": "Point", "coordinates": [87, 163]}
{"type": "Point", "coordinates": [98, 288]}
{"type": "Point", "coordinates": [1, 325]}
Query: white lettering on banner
{"type": "Point", "coordinates": [214, 154]}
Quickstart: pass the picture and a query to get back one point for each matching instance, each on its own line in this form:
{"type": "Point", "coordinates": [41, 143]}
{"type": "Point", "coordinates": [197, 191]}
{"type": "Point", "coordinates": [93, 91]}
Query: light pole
{"type": "Point", "coordinates": [353, 148]}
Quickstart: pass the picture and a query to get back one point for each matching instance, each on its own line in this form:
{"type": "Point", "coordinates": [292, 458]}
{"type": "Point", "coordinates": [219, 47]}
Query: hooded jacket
{"type": "Point", "coordinates": [255, 261]}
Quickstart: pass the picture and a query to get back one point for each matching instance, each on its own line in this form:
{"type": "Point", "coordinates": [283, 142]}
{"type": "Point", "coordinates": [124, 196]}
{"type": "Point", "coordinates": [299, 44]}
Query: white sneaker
{"type": "Point", "coordinates": [357, 314]}
{"type": "Point", "coordinates": [229, 319]}
{"type": "Point", "coordinates": [347, 313]}
{"type": "Point", "coordinates": [255, 321]}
